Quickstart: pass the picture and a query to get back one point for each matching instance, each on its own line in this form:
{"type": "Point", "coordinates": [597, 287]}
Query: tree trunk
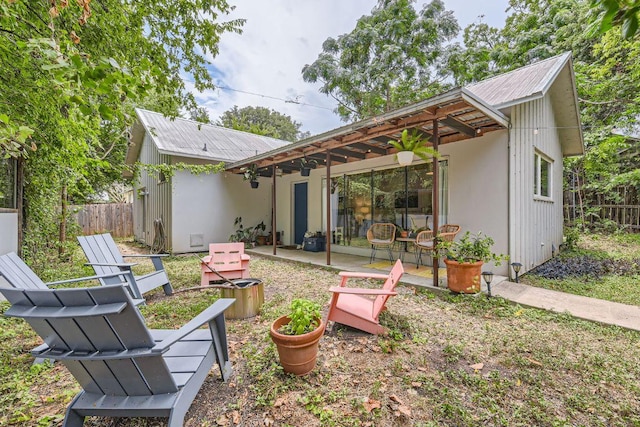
{"type": "Point", "coordinates": [63, 219]}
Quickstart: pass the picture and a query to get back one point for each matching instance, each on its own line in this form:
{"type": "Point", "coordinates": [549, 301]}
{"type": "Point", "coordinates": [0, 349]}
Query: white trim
{"type": "Point", "coordinates": [537, 176]}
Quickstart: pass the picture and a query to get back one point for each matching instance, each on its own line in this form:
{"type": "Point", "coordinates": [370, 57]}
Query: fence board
{"type": "Point", "coordinates": [114, 218]}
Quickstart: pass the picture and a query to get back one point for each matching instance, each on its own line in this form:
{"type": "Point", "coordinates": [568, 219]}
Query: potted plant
{"type": "Point", "coordinates": [296, 336]}
{"type": "Point", "coordinates": [307, 165]}
{"type": "Point", "coordinates": [251, 175]}
{"type": "Point", "coordinates": [464, 259]}
{"type": "Point", "coordinates": [410, 144]}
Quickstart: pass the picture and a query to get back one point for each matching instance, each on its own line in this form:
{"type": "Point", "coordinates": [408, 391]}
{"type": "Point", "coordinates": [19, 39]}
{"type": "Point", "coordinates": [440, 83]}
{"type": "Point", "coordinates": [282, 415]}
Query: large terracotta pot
{"type": "Point", "coordinates": [298, 353]}
{"type": "Point", "coordinates": [464, 277]}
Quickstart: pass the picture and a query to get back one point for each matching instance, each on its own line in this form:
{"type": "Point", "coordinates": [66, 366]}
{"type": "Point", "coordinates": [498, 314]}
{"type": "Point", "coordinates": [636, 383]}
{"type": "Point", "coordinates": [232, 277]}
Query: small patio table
{"type": "Point", "coordinates": [405, 242]}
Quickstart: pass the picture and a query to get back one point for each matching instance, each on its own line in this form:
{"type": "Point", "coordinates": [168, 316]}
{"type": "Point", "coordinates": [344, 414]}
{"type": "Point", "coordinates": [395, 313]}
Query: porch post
{"type": "Point", "coordinates": [274, 238]}
{"type": "Point", "coordinates": [435, 200]}
{"type": "Point", "coordinates": [328, 191]}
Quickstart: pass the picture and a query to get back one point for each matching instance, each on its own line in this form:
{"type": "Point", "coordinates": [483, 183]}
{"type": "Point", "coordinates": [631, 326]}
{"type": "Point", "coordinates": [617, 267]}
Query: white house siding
{"type": "Point", "coordinates": [205, 207]}
{"type": "Point", "coordinates": [536, 225]}
{"type": "Point", "coordinates": [8, 231]}
{"type": "Point", "coordinates": [478, 189]}
{"type": "Point", "coordinates": [157, 201]}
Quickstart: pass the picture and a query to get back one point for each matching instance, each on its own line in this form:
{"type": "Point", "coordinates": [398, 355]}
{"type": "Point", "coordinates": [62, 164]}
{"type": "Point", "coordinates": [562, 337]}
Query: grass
{"type": "Point", "coordinates": [447, 361]}
{"type": "Point", "coordinates": [619, 287]}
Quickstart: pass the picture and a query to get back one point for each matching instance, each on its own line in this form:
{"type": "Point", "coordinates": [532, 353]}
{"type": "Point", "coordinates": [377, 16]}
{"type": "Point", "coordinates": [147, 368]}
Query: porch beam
{"type": "Point", "coordinates": [459, 126]}
{"type": "Point", "coordinates": [435, 202]}
{"type": "Point", "coordinates": [349, 153]}
{"type": "Point", "coordinates": [374, 148]}
{"type": "Point", "coordinates": [274, 237]}
{"type": "Point", "coordinates": [328, 191]}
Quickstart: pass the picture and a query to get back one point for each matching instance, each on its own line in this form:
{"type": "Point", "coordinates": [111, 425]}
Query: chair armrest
{"type": "Point", "coordinates": [360, 275]}
{"type": "Point", "coordinates": [206, 260]}
{"type": "Point", "coordinates": [216, 309]}
{"type": "Point", "coordinates": [145, 256]}
{"type": "Point", "coordinates": [361, 291]}
{"type": "Point", "coordinates": [83, 279]}
{"type": "Point", "coordinates": [245, 257]}
{"type": "Point", "coordinates": [108, 264]}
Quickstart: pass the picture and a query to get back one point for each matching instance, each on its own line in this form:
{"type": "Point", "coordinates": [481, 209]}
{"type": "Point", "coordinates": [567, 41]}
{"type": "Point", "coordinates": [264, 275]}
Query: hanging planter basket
{"type": "Point", "coordinates": [405, 158]}
{"type": "Point", "coordinates": [305, 171]}
{"type": "Point", "coordinates": [254, 184]}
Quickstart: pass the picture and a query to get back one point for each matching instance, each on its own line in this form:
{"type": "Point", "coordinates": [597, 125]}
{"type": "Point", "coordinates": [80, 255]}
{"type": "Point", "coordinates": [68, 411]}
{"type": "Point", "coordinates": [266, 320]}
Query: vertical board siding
{"type": "Point", "coordinates": [158, 198]}
{"type": "Point", "coordinates": [536, 225]}
{"type": "Point", "coordinates": [114, 218]}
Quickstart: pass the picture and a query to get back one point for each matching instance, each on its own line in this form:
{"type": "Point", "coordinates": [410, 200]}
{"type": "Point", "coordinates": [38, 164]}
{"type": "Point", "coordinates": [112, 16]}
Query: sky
{"type": "Point", "coordinates": [263, 65]}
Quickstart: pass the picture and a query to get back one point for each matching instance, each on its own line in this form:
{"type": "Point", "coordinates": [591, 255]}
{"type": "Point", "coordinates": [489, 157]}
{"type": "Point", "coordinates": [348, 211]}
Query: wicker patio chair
{"type": "Point", "coordinates": [381, 235]}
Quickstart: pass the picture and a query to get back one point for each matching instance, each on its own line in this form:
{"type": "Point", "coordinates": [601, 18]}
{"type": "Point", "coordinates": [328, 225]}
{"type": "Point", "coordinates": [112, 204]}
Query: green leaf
{"type": "Point", "coordinates": [4, 118]}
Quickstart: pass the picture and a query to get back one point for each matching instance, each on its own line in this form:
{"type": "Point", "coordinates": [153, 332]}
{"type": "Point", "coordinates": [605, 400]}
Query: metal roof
{"type": "Point", "coordinates": [520, 85]}
{"type": "Point", "coordinates": [188, 138]}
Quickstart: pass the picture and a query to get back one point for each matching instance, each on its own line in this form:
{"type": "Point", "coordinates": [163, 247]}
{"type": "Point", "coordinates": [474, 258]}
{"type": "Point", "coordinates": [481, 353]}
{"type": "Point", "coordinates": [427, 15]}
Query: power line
{"type": "Point", "coordinates": [287, 101]}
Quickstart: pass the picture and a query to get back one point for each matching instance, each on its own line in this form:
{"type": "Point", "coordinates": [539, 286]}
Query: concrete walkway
{"type": "Point", "coordinates": [611, 313]}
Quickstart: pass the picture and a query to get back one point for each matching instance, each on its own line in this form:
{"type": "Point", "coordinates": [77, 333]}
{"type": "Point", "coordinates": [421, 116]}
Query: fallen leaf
{"type": "Point", "coordinates": [235, 417]}
{"type": "Point", "coordinates": [395, 399]}
{"type": "Point", "coordinates": [279, 402]}
{"type": "Point", "coordinates": [416, 384]}
{"type": "Point", "coordinates": [404, 410]}
{"type": "Point", "coordinates": [477, 366]}
{"type": "Point", "coordinates": [518, 313]}
{"type": "Point", "coordinates": [534, 361]}
{"type": "Point", "coordinates": [222, 420]}
{"type": "Point", "coordinates": [371, 404]}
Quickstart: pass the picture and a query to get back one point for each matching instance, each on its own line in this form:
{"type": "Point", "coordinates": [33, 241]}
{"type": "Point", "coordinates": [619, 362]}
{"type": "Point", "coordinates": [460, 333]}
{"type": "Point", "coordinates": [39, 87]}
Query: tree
{"type": "Point", "coordinates": [624, 14]}
{"type": "Point", "coordinates": [72, 74]}
{"type": "Point", "coordinates": [393, 57]}
{"type": "Point", "coordinates": [262, 121]}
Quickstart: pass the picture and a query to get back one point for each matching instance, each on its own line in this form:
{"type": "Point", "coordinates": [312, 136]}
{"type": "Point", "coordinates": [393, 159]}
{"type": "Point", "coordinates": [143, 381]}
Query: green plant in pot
{"type": "Point", "coordinates": [296, 336]}
{"type": "Point", "coordinates": [410, 144]}
{"type": "Point", "coordinates": [251, 174]}
{"type": "Point", "coordinates": [464, 259]}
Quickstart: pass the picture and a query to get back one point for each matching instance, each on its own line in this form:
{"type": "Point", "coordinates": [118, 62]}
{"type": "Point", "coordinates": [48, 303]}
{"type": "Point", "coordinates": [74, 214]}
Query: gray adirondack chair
{"type": "Point", "coordinates": [125, 369]}
{"type": "Point", "coordinates": [19, 275]}
{"type": "Point", "coordinates": [105, 257]}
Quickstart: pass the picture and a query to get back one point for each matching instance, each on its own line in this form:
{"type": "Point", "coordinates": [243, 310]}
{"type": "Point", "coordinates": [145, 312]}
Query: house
{"type": "Point", "coordinates": [185, 212]}
{"type": "Point", "coordinates": [8, 205]}
{"type": "Point", "coordinates": [502, 142]}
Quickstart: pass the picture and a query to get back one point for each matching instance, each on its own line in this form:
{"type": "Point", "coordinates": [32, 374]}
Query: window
{"type": "Point", "coordinates": [542, 176]}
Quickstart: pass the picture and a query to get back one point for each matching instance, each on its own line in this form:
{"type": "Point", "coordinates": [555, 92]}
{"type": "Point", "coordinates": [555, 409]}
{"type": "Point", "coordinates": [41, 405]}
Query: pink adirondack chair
{"type": "Point", "coordinates": [228, 259]}
{"type": "Point", "coordinates": [360, 308]}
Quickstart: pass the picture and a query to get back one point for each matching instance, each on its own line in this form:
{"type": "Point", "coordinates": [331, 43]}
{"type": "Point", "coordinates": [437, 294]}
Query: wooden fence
{"type": "Point", "coordinates": [625, 216]}
{"type": "Point", "coordinates": [114, 218]}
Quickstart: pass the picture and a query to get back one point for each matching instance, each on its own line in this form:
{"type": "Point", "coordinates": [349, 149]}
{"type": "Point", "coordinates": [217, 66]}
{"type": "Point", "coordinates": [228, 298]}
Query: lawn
{"type": "Point", "coordinates": [447, 361]}
{"type": "Point", "coordinates": [604, 266]}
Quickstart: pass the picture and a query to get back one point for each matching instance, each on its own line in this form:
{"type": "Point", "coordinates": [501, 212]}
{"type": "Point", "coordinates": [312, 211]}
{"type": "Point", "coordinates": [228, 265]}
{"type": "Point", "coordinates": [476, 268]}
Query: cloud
{"type": "Point", "coordinates": [264, 63]}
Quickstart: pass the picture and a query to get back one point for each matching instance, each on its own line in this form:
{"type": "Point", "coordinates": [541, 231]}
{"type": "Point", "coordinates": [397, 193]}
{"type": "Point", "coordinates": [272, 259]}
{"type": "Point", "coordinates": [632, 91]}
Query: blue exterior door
{"type": "Point", "coordinates": [299, 212]}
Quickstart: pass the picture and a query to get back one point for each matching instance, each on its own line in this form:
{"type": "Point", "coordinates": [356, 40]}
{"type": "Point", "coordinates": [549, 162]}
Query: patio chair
{"type": "Point", "coordinates": [124, 368]}
{"type": "Point", "coordinates": [381, 235]}
{"type": "Point", "coordinates": [355, 307]}
{"type": "Point", "coordinates": [228, 259]}
{"type": "Point", "coordinates": [425, 240]}
{"type": "Point", "coordinates": [19, 275]}
{"type": "Point", "coordinates": [105, 257]}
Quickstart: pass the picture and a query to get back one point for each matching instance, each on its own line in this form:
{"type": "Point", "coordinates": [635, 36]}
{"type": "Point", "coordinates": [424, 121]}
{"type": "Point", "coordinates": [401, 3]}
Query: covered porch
{"type": "Point", "coordinates": [350, 198]}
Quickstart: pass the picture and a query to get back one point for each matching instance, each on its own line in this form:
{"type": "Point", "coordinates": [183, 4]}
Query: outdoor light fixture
{"type": "Point", "coordinates": [488, 277]}
{"type": "Point", "coordinates": [516, 268]}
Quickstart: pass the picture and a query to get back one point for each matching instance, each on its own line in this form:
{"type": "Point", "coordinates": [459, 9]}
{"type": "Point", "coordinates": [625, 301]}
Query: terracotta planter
{"type": "Point", "coordinates": [464, 277]}
{"type": "Point", "coordinates": [404, 234]}
{"type": "Point", "coordinates": [298, 353]}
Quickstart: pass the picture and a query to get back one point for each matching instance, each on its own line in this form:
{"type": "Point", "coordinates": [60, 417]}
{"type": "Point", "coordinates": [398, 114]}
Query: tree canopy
{"type": "Point", "coordinates": [72, 74]}
{"type": "Point", "coordinates": [262, 121]}
{"type": "Point", "coordinates": [392, 57]}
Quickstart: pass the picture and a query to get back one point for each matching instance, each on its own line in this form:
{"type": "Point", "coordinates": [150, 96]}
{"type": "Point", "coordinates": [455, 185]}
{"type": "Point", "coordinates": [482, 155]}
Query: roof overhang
{"type": "Point", "coordinates": [459, 115]}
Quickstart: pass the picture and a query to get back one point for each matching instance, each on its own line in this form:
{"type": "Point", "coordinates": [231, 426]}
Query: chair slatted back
{"type": "Point", "coordinates": [382, 231]}
{"type": "Point", "coordinates": [389, 285]}
{"type": "Point", "coordinates": [447, 232]}
{"type": "Point", "coordinates": [98, 334]}
{"type": "Point", "coordinates": [101, 248]}
{"type": "Point", "coordinates": [226, 256]}
{"type": "Point", "coordinates": [18, 274]}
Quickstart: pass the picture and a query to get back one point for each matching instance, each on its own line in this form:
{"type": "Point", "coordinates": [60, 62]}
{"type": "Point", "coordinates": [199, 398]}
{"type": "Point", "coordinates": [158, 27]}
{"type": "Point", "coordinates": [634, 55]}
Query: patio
{"type": "Point", "coordinates": [346, 262]}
